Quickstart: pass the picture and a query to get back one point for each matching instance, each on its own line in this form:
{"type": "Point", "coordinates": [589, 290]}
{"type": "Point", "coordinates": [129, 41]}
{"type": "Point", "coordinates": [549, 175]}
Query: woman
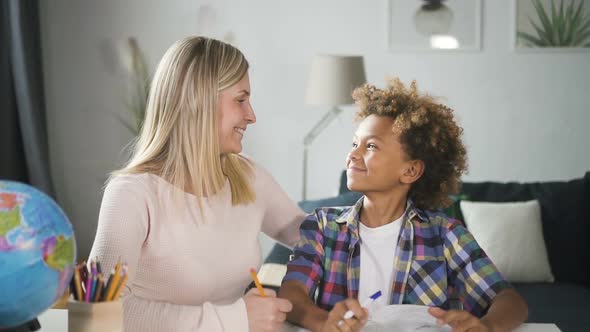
{"type": "Point", "coordinates": [186, 210]}
{"type": "Point", "coordinates": [406, 158]}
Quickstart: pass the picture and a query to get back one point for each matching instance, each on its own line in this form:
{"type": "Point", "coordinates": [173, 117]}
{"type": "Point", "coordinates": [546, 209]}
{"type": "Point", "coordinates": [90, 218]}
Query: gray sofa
{"type": "Point", "coordinates": [565, 213]}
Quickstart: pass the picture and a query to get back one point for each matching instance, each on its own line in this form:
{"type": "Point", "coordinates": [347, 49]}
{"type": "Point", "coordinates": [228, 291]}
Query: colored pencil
{"type": "Point", "coordinates": [121, 284]}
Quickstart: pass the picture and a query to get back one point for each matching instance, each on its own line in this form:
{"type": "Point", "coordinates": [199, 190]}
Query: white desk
{"type": "Point", "coordinates": [56, 320]}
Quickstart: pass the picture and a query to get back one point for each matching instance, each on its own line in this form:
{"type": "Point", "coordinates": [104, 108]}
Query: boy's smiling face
{"type": "Point", "coordinates": [376, 161]}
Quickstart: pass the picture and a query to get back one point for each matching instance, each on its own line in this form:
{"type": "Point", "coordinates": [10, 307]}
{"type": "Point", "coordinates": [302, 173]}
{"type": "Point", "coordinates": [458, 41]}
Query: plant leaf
{"type": "Point", "coordinates": [542, 36]}
{"type": "Point", "coordinates": [577, 15]}
{"type": "Point", "coordinates": [584, 24]}
{"type": "Point", "coordinates": [141, 81]}
{"type": "Point", "coordinates": [547, 27]}
{"type": "Point", "coordinates": [581, 38]}
{"type": "Point", "coordinates": [560, 23]}
{"type": "Point", "coordinates": [553, 11]}
{"type": "Point", "coordinates": [570, 9]}
{"type": "Point", "coordinates": [554, 25]}
{"type": "Point", "coordinates": [125, 123]}
{"type": "Point", "coordinates": [581, 31]}
{"type": "Point", "coordinates": [532, 39]}
{"type": "Point", "coordinates": [570, 25]}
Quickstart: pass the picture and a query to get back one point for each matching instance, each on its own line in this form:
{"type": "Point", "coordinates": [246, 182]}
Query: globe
{"type": "Point", "coordinates": [37, 253]}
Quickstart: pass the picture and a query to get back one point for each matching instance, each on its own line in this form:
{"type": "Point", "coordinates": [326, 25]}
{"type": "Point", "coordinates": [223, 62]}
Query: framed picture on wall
{"type": "Point", "coordinates": [433, 25]}
{"type": "Point", "coordinates": [551, 25]}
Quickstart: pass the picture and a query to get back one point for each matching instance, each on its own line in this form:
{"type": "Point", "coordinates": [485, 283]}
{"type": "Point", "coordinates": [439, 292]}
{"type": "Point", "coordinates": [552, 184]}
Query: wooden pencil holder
{"type": "Point", "coordinates": [95, 317]}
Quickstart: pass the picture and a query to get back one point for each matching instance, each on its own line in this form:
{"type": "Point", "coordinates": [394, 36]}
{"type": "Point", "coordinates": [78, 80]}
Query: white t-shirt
{"type": "Point", "coordinates": [378, 247]}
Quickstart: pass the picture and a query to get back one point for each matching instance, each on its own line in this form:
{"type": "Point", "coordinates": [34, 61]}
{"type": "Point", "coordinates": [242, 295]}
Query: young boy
{"type": "Point", "coordinates": [406, 158]}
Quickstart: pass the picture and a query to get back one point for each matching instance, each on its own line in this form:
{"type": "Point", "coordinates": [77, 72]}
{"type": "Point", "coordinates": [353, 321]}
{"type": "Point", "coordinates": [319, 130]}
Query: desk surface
{"type": "Point", "coordinates": [56, 320]}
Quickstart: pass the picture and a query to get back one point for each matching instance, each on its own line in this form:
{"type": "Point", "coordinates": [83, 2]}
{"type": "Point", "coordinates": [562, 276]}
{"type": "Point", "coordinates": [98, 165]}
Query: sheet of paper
{"type": "Point", "coordinates": [399, 318]}
{"type": "Point", "coordinates": [531, 327]}
{"type": "Point", "coordinates": [403, 318]}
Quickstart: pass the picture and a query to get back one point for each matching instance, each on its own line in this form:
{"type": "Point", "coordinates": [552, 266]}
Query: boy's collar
{"type": "Point", "coordinates": [352, 215]}
{"type": "Point", "coordinates": [414, 211]}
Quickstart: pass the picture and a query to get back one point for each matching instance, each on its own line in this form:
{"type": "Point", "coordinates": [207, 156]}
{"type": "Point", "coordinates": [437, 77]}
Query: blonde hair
{"type": "Point", "coordinates": [179, 137]}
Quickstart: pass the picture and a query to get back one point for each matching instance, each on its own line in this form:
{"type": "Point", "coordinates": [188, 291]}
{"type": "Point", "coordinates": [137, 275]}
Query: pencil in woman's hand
{"type": "Point", "coordinates": [257, 282]}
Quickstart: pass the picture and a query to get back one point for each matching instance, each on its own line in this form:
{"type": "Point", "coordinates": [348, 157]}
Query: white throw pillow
{"type": "Point", "coordinates": [512, 236]}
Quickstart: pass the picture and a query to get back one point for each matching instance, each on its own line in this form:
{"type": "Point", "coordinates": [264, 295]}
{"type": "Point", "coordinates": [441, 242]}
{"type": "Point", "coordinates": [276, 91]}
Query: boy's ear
{"type": "Point", "coordinates": [413, 171]}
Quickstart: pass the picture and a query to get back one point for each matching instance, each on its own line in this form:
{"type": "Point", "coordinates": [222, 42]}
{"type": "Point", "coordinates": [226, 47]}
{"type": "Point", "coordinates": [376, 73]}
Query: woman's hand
{"type": "Point", "coordinates": [335, 321]}
{"type": "Point", "coordinates": [265, 314]}
{"type": "Point", "coordinates": [459, 320]}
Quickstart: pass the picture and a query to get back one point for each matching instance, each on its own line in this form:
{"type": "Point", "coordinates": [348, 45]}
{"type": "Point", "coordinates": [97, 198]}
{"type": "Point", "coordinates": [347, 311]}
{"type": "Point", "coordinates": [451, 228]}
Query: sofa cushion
{"type": "Point", "coordinates": [563, 304]}
{"type": "Point", "coordinates": [565, 208]}
{"type": "Point", "coordinates": [511, 234]}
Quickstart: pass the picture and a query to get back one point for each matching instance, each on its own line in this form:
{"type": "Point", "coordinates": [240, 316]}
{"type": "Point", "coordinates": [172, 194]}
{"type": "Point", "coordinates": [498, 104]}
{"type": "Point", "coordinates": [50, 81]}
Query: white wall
{"type": "Point", "coordinates": [524, 114]}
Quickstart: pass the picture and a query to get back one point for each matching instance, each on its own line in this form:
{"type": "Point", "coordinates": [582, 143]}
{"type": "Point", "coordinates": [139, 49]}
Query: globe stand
{"type": "Point", "coordinates": [32, 325]}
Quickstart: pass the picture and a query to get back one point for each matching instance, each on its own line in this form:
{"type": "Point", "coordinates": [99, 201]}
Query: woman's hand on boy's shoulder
{"type": "Point", "coordinates": [459, 320]}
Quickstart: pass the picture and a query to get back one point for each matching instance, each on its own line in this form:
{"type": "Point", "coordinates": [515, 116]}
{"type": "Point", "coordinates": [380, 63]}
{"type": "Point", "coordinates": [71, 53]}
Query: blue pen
{"type": "Point", "coordinates": [349, 314]}
{"type": "Point", "coordinates": [94, 279]}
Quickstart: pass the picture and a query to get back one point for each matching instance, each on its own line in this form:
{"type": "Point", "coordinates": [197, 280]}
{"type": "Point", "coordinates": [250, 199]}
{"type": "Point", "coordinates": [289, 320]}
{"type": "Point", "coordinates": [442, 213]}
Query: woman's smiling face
{"type": "Point", "coordinates": [234, 114]}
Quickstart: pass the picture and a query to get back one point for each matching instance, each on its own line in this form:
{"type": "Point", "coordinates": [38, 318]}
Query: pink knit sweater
{"type": "Point", "coordinates": [187, 270]}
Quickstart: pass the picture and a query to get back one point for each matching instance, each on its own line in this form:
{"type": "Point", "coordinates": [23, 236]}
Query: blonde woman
{"type": "Point", "coordinates": [186, 211]}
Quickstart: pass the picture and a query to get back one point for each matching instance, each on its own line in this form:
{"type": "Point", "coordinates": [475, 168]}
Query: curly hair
{"type": "Point", "coordinates": [427, 131]}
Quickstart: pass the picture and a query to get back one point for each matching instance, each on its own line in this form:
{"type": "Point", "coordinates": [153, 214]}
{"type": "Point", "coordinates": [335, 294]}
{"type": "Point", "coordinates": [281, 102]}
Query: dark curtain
{"type": "Point", "coordinates": [23, 131]}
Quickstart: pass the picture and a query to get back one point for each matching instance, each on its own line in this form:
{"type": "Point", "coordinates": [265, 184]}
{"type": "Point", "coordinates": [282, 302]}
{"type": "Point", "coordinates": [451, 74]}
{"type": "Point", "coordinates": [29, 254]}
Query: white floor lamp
{"type": "Point", "coordinates": [331, 81]}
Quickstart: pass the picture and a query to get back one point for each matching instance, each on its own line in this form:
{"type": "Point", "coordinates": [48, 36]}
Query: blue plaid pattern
{"type": "Point", "coordinates": [437, 259]}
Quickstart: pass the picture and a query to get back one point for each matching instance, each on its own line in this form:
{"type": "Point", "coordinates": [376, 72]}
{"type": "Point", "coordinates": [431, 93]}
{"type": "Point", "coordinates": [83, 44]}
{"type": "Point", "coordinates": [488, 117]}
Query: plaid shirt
{"type": "Point", "coordinates": [436, 260]}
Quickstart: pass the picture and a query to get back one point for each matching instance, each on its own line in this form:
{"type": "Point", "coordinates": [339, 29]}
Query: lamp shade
{"type": "Point", "coordinates": [433, 18]}
{"type": "Point", "coordinates": [332, 79]}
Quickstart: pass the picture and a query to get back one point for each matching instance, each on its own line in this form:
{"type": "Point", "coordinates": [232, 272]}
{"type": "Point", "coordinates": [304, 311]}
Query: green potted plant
{"type": "Point", "coordinates": [140, 78]}
{"type": "Point", "coordinates": [563, 27]}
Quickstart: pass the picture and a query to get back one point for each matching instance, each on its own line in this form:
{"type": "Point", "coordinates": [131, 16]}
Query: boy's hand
{"type": "Point", "coordinates": [335, 322]}
{"type": "Point", "coordinates": [459, 320]}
